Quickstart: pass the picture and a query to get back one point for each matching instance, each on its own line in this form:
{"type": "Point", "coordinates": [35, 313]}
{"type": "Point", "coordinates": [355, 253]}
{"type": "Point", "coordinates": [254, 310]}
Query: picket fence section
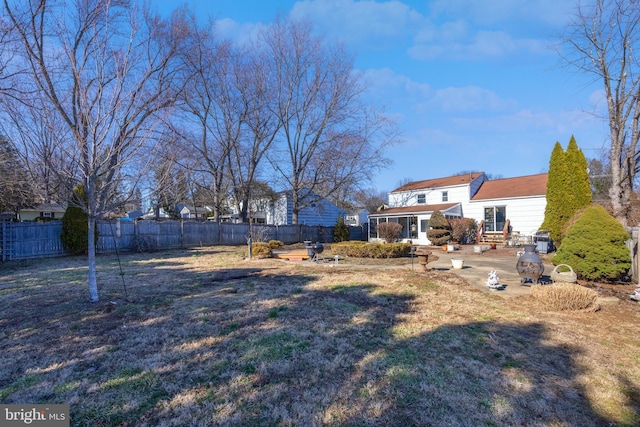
{"type": "Point", "coordinates": [25, 240]}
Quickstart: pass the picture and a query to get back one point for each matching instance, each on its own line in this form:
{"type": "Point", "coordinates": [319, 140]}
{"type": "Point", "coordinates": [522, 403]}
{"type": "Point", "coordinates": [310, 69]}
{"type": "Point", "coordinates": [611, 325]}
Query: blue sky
{"type": "Point", "coordinates": [473, 84]}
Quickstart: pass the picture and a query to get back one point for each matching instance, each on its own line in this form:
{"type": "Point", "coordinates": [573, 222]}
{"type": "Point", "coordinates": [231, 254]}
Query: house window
{"type": "Point", "coordinates": [422, 199]}
{"type": "Point", "coordinates": [424, 225]}
{"type": "Point", "coordinates": [413, 227]}
{"type": "Point", "coordinates": [47, 214]}
{"type": "Point", "coordinates": [445, 196]}
{"type": "Point", "coordinates": [495, 218]}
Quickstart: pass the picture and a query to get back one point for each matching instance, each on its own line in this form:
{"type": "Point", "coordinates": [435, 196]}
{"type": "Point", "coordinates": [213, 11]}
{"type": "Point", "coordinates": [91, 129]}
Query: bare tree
{"type": "Point", "coordinates": [260, 126]}
{"type": "Point", "coordinates": [601, 41]}
{"type": "Point", "coordinates": [329, 138]}
{"type": "Point", "coordinates": [210, 123]}
{"type": "Point", "coordinates": [106, 69]}
{"type": "Point", "coordinates": [41, 139]}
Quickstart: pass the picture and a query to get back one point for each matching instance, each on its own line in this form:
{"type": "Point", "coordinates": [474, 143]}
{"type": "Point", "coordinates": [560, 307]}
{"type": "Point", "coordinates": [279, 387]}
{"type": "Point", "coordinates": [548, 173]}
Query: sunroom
{"type": "Point", "coordinates": [414, 220]}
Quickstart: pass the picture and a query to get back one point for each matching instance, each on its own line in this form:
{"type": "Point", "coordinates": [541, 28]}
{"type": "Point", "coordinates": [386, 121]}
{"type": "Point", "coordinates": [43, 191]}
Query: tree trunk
{"type": "Point", "coordinates": [91, 250]}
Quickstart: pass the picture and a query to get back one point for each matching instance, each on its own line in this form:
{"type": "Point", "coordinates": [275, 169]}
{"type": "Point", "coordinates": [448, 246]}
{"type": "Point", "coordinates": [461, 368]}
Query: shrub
{"type": "Point", "coordinates": [275, 244]}
{"type": "Point", "coordinates": [595, 247]}
{"type": "Point", "coordinates": [371, 250]}
{"type": "Point", "coordinates": [75, 227]}
{"type": "Point", "coordinates": [440, 229]}
{"type": "Point", "coordinates": [389, 231]}
{"type": "Point", "coordinates": [566, 296]}
{"type": "Point", "coordinates": [340, 231]}
{"type": "Point", "coordinates": [260, 250]}
{"type": "Point", "coordinates": [464, 230]}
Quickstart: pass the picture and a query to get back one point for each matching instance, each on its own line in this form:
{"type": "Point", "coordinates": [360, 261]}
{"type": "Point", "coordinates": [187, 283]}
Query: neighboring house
{"type": "Point", "coordinates": [356, 218]}
{"type": "Point", "coordinates": [278, 210]}
{"type": "Point", "coordinates": [491, 203]}
{"type": "Point", "coordinates": [152, 214]}
{"type": "Point", "coordinates": [321, 212]}
{"type": "Point", "coordinates": [43, 211]}
{"type": "Point", "coordinates": [195, 212]}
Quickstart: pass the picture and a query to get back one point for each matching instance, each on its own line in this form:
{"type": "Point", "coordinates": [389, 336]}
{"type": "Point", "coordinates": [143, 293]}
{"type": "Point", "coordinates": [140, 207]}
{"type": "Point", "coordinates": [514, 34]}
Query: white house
{"type": "Point", "coordinates": [356, 218]}
{"type": "Point", "coordinates": [43, 211]}
{"type": "Point", "coordinates": [277, 209]}
{"type": "Point", "coordinates": [195, 212]}
{"type": "Point", "coordinates": [520, 200]}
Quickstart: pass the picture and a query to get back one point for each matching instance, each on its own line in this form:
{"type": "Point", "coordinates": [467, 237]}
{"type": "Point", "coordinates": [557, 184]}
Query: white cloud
{"type": "Point", "coordinates": [527, 122]}
{"type": "Point", "coordinates": [481, 45]}
{"type": "Point", "coordinates": [358, 22]}
{"type": "Point", "coordinates": [385, 81]}
{"type": "Point", "coordinates": [553, 13]}
{"type": "Point", "coordinates": [470, 98]}
{"type": "Point", "coordinates": [227, 28]}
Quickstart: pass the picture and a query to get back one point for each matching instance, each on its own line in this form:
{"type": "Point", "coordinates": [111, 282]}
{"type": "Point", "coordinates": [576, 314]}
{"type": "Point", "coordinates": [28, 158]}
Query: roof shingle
{"type": "Point", "coordinates": [440, 182]}
{"type": "Point", "coordinates": [521, 186]}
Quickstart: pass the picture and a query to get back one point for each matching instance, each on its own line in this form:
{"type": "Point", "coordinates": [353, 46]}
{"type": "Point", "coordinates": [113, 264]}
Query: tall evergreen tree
{"type": "Point", "coordinates": [558, 193]}
{"type": "Point", "coordinates": [578, 175]}
{"type": "Point", "coordinates": [568, 188]}
{"type": "Point", "coordinates": [15, 188]}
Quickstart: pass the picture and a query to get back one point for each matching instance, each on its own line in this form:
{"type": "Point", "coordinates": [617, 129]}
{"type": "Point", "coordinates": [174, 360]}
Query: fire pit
{"type": "Point", "coordinates": [529, 265]}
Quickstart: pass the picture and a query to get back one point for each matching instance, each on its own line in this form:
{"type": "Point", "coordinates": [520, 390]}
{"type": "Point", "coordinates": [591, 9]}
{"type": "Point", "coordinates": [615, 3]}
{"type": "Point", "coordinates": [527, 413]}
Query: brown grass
{"type": "Point", "coordinates": [566, 296]}
{"type": "Point", "coordinates": [209, 338]}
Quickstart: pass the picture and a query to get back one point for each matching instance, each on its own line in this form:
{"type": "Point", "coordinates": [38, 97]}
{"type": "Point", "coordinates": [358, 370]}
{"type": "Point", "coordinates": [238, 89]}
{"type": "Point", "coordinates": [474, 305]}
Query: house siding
{"type": "Point", "coordinates": [525, 214]}
{"type": "Point", "coordinates": [433, 196]}
{"type": "Point", "coordinates": [324, 213]}
{"type": "Point", "coordinates": [523, 198]}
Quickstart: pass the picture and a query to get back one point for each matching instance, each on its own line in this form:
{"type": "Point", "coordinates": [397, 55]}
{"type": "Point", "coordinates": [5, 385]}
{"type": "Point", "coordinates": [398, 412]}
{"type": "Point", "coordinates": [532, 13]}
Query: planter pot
{"type": "Point", "coordinates": [451, 248]}
{"type": "Point", "coordinates": [457, 263]}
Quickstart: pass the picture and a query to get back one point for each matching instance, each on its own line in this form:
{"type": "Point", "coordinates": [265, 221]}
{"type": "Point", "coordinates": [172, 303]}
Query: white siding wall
{"type": "Point", "coordinates": [456, 194]}
{"type": "Point", "coordinates": [525, 215]}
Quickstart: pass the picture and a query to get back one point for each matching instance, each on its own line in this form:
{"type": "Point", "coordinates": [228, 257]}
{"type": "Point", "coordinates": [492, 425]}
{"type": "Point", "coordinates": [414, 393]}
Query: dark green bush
{"type": "Point", "coordinates": [340, 231]}
{"type": "Point", "coordinates": [594, 247]}
{"type": "Point", "coordinates": [389, 231]}
{"type": "Point", "coordinates": [75, 227]}
{"type": "Point", "coordinates": [371, 250]}
{"type": "Point", "coordinates": [440, 229]}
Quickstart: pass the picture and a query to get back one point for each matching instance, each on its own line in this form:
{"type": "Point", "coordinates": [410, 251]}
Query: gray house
{"type": "Point", "coordinates": [319, 212]}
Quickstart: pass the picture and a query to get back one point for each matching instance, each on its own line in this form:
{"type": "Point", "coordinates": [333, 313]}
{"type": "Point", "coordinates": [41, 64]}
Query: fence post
{"type": "Point", "coordinates": [3, 248]}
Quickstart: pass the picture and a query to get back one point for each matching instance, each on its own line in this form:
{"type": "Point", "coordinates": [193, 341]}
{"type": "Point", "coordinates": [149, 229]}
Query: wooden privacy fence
{"type": "Point", "coordinates": [24, 240]}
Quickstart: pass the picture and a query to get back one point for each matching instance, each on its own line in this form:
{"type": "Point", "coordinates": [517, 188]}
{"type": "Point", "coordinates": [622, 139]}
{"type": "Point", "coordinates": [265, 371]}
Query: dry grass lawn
{"type": "Point", "coordinates": [205, 337]}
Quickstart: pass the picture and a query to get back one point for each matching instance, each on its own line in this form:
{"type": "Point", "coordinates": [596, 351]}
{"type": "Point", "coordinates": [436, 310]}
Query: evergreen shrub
{"type": "Point", "coordinates": [75, 227]}
{"type": "Point", "coordinates": [371, 250]}
{"type": "Point", "coordinates": [340, 231]}
{"type": "Point", "coordinates": [595, 248]}
{"type": "Point", "coordinates": [440, 229]}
